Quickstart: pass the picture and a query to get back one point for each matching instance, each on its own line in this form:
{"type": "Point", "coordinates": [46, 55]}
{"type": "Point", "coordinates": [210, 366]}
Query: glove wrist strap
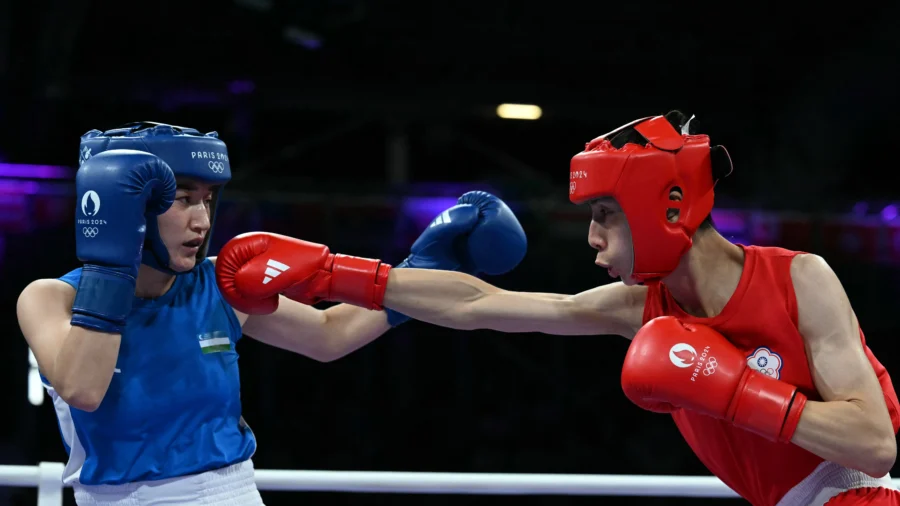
{"type": "Point", "coordinates": [767, 406]}
{"type": "Point", "coordinates": [381, 279]}
{"type": "Point", "coordinates": [104, 298]}
{"type": "Point", "coordinates": [358, 281]}
{"type": "Point", "coordinates": [792, 418]}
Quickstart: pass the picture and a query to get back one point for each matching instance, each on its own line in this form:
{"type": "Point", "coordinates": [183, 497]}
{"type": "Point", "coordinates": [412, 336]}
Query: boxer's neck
{"type": "Point", "coordinates": [707, 275]}
{"type": "Point", "coordinates": [152, 283]}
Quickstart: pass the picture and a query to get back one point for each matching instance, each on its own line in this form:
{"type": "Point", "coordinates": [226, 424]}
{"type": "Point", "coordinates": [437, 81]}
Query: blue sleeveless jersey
{"type": "Point", "coordinates": [173, 407]}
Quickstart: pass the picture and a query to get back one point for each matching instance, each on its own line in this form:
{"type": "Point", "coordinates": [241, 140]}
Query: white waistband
{"type": "Point", "coordinates": [828, 480]}
{"type": "Point", "coordinates": [230, 486]}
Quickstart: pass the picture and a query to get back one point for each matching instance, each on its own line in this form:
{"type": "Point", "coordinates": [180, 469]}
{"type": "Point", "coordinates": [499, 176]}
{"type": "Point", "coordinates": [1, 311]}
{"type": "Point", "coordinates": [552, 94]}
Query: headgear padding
{"type": "Point", "coordinates": [190, 154]}
{"type": "Point", "coordinates": [640, 177]}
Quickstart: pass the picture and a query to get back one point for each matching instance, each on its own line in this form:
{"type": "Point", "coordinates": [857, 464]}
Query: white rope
{"type": "Point", "coordinates": [20, 476]}
{"type": "Point", "coordinates": [494, 484]}
{"type": "Point", "coordinates": [48, 476]}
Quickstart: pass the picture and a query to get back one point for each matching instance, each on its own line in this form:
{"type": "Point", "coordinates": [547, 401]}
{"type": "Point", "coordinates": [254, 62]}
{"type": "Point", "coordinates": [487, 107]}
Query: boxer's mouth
{"type": "Point", "coordinates": [194, 244]}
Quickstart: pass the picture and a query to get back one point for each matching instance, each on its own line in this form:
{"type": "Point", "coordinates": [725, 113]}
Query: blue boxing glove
{"type": "Point", "coordinates": [118, 190]}
{"type": "Point", "coordinates": [497, 243]}
{"type": "Point", "coordinates": [478, 235]}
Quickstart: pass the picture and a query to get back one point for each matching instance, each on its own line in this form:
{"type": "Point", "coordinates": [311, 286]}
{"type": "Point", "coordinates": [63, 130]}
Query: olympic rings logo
{"type": "Point", "coordinates": [711, 366]}
{"type": "Point", "coordinates": [217, 167]}
{"type": "Point", "coordinates": [90, 231]}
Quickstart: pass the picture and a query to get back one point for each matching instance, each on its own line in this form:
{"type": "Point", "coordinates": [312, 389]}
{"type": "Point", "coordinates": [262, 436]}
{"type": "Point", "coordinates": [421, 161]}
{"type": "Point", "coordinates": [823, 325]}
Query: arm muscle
{"type": "Point", "coordinates": [78, 362]}
{"type": "Point", "coordinates": [851, 425]}
{"type": "Point", "coordinates": [460, 301]}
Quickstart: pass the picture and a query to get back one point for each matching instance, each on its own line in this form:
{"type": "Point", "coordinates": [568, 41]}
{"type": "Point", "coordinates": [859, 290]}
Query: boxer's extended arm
{"type": "Point", "coordinates": [851, 426]}
{"type": "Point", "coordinates": [78, 362]}
{"type": "Point", "coordinates": [460, 301]}
{"type": "Point", "coordinates": [322, 335]}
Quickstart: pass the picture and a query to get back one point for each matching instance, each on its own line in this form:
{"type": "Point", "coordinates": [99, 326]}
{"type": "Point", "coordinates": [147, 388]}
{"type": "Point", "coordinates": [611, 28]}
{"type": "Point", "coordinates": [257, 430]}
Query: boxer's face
{"type": "Point", "coordinates": [184, 226]}
{"type": "Point", "coordinates": [610, 235]}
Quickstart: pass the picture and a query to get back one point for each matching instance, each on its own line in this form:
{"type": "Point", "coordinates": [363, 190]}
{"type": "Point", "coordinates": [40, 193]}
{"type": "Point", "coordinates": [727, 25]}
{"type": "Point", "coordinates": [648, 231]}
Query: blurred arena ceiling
{"type": "Point", "coordinates": [451, 56]}
{"type": "Point", "coordinates": [293, 82]}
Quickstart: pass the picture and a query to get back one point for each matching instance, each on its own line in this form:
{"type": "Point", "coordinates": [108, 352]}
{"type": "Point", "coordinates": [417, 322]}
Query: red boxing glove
{"type": "Point", "coordinates": [253, 269]}
{"type": "Point", "coordinates": [673, 365]}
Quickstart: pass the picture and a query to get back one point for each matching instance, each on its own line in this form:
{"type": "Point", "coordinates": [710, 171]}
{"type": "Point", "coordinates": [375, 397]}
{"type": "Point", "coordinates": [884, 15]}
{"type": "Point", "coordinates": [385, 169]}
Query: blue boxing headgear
{"type": "Point", "coordinates": [188, 152]}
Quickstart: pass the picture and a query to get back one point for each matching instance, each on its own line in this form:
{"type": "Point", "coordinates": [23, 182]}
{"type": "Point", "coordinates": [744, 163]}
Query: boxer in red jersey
{"type": "Point", "coordinates": [754, 351]}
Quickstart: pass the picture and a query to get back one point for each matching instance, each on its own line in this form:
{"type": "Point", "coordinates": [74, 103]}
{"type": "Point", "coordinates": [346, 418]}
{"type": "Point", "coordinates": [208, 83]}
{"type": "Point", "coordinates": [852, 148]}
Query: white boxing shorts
{"type": "Point", "coordinates": [230, 486]}
{"type": "Point", "coordinates": [829, 480]}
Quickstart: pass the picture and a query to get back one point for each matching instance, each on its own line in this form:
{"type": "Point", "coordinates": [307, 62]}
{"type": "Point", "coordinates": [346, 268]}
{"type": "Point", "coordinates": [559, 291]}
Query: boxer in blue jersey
{"type": "Point", "coordinates": [137, 347]}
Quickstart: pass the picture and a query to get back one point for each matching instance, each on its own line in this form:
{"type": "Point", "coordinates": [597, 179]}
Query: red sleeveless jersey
{"type": "Point", "coordinates": [760, 319]}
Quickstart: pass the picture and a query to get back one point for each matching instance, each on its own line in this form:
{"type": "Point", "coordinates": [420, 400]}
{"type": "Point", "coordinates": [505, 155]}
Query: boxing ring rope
{"type": "Point", "coordinates": [47, 477]}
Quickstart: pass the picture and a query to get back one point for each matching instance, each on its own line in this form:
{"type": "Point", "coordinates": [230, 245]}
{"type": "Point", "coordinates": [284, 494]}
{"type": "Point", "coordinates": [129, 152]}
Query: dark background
{"type": "Point", "coordinates": [339, 114]}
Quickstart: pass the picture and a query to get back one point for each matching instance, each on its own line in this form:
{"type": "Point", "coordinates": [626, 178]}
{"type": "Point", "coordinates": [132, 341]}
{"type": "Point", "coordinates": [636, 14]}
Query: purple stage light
{"type": "Point", "coordinates": [889, 212]}
{"type": "Point", "coordinates": [20, 170]}
{"type": "Point", "coordinates": [19, 187]}
{"type": "Point", "coordinates": [424, 209]}
{"type": "Point", "coordinates": [311, 44]}
{"type": "Point", "coordinates": [729, 221]}
{"type": "Point", "coordinates": [22, 187]}
{"type": "Point", "coordinates": [241, 87]}
{"type": "Point", "coordinates": [860, 208]}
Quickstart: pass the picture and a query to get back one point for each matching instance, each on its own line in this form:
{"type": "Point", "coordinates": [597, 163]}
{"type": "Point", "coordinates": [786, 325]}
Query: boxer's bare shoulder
{"type": "Point", "coordinates": [822, 304]}
{"type": "Point", "coordinates": [826, 320]}
{"type": "Point", "coordinates": [47, 294]}
{"type": "Point", "coordinates": [44, 305]}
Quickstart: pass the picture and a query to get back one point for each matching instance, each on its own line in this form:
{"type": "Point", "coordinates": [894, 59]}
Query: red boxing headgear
{"type": "Point", "coordinates": [640, 178]}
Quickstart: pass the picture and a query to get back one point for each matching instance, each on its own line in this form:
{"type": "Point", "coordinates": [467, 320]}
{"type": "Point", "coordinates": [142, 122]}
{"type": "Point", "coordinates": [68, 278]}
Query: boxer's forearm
{"type": "Point", "coordinates": [84, 367]}
{"type": "Point", "coordinates": [320, 335]}
{"type": "Point", "coordinates": [442, 298]}
{"type": "Point", "coordinates": [349, 328]}
{"type": "Point", "coordinates": [843, 432]}
{"type": "Point", "coordinates": [460, 301]}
